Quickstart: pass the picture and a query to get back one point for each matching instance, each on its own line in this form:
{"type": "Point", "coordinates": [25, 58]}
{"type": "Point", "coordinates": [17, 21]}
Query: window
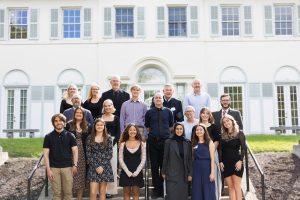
{"type": "Point", "coordinates": [18, 24]}
{"type": "Point", "coordinates": [283, 20]}
{"type": "Point", "coordinates": [180, 91]}
{"type": "Point", "coordinates": [236, 96]}
{"type": "Point", "coordinates": [124, 22]}
{"type": "Point", "coordinates": [230, 21]}
{"type": "Point", "coordinates": [71, 23]}
{"type": "Point", "coordinates": [177, 21]}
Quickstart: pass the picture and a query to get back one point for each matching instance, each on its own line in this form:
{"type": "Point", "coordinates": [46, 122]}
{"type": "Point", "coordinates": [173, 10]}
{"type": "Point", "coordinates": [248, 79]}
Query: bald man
{"type": "Point", "coordinates": [115, 94]}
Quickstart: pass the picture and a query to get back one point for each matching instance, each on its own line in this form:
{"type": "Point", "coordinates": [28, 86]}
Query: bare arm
{"type": "Point", "coordinates": [47, 164]}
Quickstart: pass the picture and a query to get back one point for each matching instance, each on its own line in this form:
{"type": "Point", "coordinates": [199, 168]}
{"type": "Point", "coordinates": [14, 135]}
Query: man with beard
{"type": "Point", "coordinates": [225, 102]}
{"type": "Point", "coordinates": [115, 94]}
{"type": "Point", "coordinates": [172, 103]}
{"type": "Point", "coordinates": [198, 99]}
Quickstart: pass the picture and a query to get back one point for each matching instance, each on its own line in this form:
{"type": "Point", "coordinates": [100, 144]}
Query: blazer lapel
{"type": "Point", "coordinates": [175, 146]}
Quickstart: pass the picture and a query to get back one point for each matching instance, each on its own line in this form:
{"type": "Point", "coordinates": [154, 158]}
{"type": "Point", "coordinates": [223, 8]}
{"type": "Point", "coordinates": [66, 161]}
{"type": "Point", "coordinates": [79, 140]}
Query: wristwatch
{"type": "Point", "coordinates": [75, 165]}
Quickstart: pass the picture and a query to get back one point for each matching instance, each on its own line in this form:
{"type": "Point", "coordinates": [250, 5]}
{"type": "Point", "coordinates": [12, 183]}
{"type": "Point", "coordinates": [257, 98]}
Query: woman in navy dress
{"type": "Point", "coordinates": [203, 182]}
{"type": "Point", "coordinates": [232, 150]}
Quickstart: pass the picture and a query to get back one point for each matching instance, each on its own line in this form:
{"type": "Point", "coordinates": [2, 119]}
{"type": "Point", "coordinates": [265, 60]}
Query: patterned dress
{"type": "Point", "coordinates": [79, 179]}
{"type": "Point", "coordinates": [99, 155]}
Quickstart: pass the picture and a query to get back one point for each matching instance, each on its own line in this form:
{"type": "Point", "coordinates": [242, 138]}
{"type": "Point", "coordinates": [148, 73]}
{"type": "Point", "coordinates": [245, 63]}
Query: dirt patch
{"type": "Point", "coordinates": [13, 179]}
{"type": "Point", "coordinates": [282, 176]}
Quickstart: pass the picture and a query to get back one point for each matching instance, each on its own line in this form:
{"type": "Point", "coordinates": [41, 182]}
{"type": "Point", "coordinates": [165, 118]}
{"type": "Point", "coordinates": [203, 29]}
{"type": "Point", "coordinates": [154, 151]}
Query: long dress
{"type": "Point", "coordinates": [202, 188]}
{"type": "Point", "coordinates": [99, 155]}
{"type": "Point", "coordinates": [215, 136]}
{"type": "Point", "coordinates": [229, 153]}
{"type": "Point", "coordinates": [132, 160]}
{"type": "Point", "coordinates": [79, 178]}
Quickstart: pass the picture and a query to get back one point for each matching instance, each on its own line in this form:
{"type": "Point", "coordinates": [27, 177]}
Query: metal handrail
{"type": "Point", "coordinates": [31, 175]}
{"type": "Point", "coordinates": [262, 175]}
{"type": "Point", "coordinates": [146, 176]}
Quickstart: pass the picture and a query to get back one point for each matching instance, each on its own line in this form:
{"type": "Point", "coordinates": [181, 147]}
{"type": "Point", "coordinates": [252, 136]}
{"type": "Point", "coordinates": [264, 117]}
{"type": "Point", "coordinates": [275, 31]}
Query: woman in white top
{"type": "Point", "coordinates": [190, 121]}
{"type": "Point", "coordinates": [132, 158]}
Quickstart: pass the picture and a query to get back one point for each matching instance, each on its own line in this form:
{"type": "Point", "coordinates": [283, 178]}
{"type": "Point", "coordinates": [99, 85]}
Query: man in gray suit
{"type": "Point", "coordinates": [76, 101]}
{"type": "Point", "coordinates": [225, 102]}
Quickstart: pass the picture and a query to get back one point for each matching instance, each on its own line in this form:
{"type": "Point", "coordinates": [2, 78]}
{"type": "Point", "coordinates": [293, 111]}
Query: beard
{"type": "Point", "coordinates": [226, 107]}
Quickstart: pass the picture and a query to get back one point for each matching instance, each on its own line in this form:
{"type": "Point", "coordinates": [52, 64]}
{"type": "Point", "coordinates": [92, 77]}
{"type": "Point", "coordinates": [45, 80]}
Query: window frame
{"type": "Point", "coordinates": [176, 22]}
{"type": "Point", "coordinates": [293, 18]}
{"type": "Point", "coordinates": [27, 25]}
{"type": "Point", "coordinates": [62, 24]}
{"type": "Point", "coordinates": [238, 7]}
{"type": "Point", "coordinates": [133, 23]}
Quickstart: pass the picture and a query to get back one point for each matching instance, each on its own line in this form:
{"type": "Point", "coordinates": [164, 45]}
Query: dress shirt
{"type": "Point", "coordinates": [132, 112]}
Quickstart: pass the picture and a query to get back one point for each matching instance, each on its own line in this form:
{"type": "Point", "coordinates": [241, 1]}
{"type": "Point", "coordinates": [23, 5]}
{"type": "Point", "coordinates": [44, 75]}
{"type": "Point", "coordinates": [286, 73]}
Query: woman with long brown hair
{"type": "Point", "coordinates": [203, 184]}
{"type": "Point", "coordinates": [99, 154]}
{"type": "Point", "coordinates": [232, 150]}
{"type": "Point", "coordinates": [80, 128]}
{"type": "Point", "coordinates": [132, 158]}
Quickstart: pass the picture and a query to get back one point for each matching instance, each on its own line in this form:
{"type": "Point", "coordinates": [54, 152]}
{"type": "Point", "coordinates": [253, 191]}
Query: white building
{"type": "Point", "coordinates": [249, 48]}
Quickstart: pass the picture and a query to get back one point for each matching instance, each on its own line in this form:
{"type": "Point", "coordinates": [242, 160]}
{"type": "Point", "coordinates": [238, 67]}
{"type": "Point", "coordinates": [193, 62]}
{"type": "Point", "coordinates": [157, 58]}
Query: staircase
{"type": "Point", "coordinates": [119, 196]}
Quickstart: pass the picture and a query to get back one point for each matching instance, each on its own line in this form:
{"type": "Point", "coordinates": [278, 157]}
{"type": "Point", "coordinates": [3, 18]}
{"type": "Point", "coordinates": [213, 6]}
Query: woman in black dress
{"type": "Point", "coordinates": [93, 101]}
{"type": "Point", "coordinates": [113, 128]}
{"type": "Point", "coordinates": [132, 158]}
{"type": "Point", "coordinates": [81, 129]}
{"type": "Point", "coordinates": [66, 102]}
{"type": "Point", "coordinates": [232, 149]}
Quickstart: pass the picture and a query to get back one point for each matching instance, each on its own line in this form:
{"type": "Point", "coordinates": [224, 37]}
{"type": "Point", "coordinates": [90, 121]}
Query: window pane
{"type": "Point", "coordinates": [71, 24]}
{"type": "Point", "coordinates": [283, 20]}
{"type": "Point", "coordinates": [177, 21]}
{"type": "Point", "coordinates": [230, 21]}
{"type": "Point", "coordinates": [124, 22]}
{"type": "Point", "coordinates": [18, 24]}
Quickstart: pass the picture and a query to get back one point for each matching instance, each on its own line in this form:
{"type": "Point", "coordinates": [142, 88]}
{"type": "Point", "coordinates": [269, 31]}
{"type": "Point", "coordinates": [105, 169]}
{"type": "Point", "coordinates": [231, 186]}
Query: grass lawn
{"type": "Point", "coordinates": [25, 147]}
{"type": "Point", "coordinates": [272, 143]}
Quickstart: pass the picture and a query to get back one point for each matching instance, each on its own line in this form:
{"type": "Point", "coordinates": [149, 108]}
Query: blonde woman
{"type": "Point", "coordinates": [93, 101]}
{"type": "Point", "coordinates": [66, 102]}
{"type": "Point", "coordinates": [113, 128]}
{"type": "Point", "coordinates": [232, 149]}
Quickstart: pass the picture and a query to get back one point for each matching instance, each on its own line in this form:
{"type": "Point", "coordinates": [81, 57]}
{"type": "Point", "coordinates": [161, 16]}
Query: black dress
{"type": "Point", "coordinates": [213, 133]}
{"type": "Point", "coordinates": [132, 161]}
{"type": "Point", "coordinates": [113, 128]}
{"type": "Point", "coordinates": [231, 150]}
{"type": "Point", "coordinates": [64, 106]}
{"type": "Point", "coordinates": [93, 107]}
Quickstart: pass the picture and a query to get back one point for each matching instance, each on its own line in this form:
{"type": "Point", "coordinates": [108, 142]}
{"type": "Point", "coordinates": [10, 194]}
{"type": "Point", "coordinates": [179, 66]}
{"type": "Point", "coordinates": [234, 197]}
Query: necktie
{"type": "Point", "coordinates": [224, 113]}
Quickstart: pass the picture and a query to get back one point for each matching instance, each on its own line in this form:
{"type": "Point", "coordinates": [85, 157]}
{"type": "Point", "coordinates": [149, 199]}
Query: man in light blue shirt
{"type": "Point", "coordinates": [133, 110]}
{"type": "Point", "coordinates": [197, 99]}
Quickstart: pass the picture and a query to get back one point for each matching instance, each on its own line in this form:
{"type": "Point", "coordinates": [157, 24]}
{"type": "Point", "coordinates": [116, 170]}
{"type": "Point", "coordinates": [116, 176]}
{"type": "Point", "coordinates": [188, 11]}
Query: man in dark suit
{"type": "Point", "coordinates": [115, 94]}
{"type": "Point", "coordinates": [76, 101]}
{"type": "Point", "coordinates": [170, 102]}
{"type": "Point", "coordinates": [225, 102]}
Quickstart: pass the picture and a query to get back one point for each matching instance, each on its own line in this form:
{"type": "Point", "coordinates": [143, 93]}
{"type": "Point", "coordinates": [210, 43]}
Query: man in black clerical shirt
{"type": "Point", "coordinates": [158, 121]}
{"type": "Point", "coordinates": [115, 94]}
{"type": "Point", "coordinates": [172, 103]}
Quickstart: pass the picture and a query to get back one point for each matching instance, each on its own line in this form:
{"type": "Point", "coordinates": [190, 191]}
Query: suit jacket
{"type": "Point", "coordinates": [234, 113]}
{"type": "Point", "coordinates": [118, 99]}
{"type": "Point", "coordinates": [175, 106]}
{"type": "Point", "coordinates": [171, 162]}
{"type": "Point", "coordinates": [70, 112]}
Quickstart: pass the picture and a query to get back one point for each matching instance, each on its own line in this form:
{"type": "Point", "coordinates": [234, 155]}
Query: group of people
{"type": "Point", "coordinates": [191, 150]}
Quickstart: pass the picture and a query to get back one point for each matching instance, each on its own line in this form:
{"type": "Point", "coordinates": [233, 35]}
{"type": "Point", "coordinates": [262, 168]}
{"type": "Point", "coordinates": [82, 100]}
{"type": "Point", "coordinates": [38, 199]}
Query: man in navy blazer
{"type": "Point", "coordinates": [225, 102]}
{"type": "Point", "coordinates": [76, 101]}
{"type": "Point", "coordinates": [115, 94]}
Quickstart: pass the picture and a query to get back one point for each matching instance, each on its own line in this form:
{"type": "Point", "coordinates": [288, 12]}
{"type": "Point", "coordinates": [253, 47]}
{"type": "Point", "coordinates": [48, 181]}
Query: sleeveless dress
{"type": "Point", "coordinates": [132, 161]}
{"type": "Point", "coordinates": [202, 188]}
